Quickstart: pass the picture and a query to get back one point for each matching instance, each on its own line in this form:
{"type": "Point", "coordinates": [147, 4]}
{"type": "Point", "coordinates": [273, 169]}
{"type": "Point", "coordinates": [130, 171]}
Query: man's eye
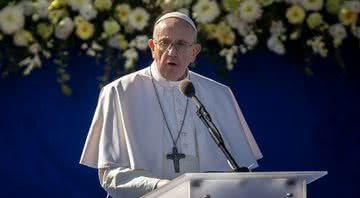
{"type": "Point", "coordinates": [181, 44]}
{"type": "Point", "coordinates": [164, 43]}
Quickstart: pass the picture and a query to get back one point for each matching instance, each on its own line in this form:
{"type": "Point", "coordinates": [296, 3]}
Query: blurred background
{"type": "Point", "coordinates": [300, 100]}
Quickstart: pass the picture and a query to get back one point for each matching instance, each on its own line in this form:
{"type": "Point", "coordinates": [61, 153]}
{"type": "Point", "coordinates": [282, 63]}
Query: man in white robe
{"type": "Point", "coordinates": [140, 117]}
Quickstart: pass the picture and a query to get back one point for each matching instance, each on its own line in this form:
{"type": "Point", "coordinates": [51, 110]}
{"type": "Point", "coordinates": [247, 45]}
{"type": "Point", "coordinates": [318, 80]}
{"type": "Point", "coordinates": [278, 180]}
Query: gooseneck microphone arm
{"type": "Point", "coordinates": [188, 90]}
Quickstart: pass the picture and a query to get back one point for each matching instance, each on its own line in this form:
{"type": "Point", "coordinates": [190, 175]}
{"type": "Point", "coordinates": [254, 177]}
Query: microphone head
{"type": "Point", "coordinates": [187, 88]}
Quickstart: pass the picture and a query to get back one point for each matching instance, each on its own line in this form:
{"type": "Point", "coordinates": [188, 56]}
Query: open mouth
{"type": "Point", "coordinates": [172, 63]}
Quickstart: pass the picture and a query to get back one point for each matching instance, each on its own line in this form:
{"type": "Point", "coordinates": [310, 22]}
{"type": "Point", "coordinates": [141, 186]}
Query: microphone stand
{"type": "Point", "coordinates": [216, 136]}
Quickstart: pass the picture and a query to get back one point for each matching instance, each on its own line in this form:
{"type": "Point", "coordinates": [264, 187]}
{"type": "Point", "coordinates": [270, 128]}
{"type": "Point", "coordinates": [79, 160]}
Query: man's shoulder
{"type": "Point", "coordinates": [208, 82]}
{"type": "Point", "coordinates": [128, 78]}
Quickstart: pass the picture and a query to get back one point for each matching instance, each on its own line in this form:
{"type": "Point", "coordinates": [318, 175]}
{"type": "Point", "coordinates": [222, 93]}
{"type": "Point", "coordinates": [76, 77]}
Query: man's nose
{"type": "Point", "coordinates": [172, 51]}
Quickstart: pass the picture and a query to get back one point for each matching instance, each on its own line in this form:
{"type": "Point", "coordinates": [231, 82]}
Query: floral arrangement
{"type": "Point", "coordinates": [32, 31]}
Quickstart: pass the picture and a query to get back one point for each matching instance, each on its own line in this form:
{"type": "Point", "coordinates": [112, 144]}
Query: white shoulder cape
{"type": "Point", "coordinates": [127, 125]}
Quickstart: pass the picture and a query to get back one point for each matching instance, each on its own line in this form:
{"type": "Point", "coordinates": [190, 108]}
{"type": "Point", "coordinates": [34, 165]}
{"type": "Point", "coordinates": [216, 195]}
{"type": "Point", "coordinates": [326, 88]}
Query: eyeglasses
{"type": "Point", "coordinates": [180, 46]}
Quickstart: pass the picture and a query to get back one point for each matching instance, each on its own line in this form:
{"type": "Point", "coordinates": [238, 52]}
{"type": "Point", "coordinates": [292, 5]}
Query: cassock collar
{"type": "Point", "coordinates": [164, 82]}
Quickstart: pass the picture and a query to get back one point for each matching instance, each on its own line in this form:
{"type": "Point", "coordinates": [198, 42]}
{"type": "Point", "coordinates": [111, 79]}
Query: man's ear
{"type": "Point", "coordinates": [195, 51]}
{"type": "Point", "coordinates": [151, 44]}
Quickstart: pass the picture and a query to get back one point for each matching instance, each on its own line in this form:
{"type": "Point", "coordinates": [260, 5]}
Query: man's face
{"type": "Point", "coordinates": [172, 61]}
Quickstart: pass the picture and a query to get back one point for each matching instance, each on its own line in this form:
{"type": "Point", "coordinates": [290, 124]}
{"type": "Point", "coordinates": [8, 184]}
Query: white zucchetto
{"type": "Point", "coordinates": [178, 15]}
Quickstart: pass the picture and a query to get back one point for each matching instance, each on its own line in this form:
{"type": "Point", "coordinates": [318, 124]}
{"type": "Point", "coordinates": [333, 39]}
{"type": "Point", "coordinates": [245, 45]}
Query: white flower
{"type": "Point", "coordinates": [30, 63]}
{"type": "Point", "coordinates": [41, 8]}
{"type": "Point", "coordinates": [277, 28]}
{"type": "Point", "coordinates": [131, 56]}
{"type": "Point", "coordinates": [205, 11]}
{"type": "Point", "coordinates": [22, 38]}
{"type": "Point", "coordinates": [295, 14]}
{"type": "Point", "coordinates": [251, 40]}
{"type": "Point", "coordinates": [243, 29]}
{"type": "Point", "coordinates": [275, 45]}
{"type": "Point", "coordinates": [34, 48]}
{"type": "Point", "coordinates": [11, 19]}
{"type": "Point", "coordinates": [265, 3]}
{"type": "Point", "coordinates": [233, 19]}
{"type": "Point", "coordinates": [138, 18]}
{"type": "Point", "coordinates": [96, 46]}
{"type": "Point", "coordinates": [184, 11]}
{"type": "Point", "coordinates": [353, 6]}
{"type": "Point", "coordinates": [103, 5]}
{"type": "Point", "coordinates": [170, 5]}
{"type": "Point", "coordinates": [77, 4]}
{"type": "Point", "coordinates": [318, 46]}
{"type": "Point", "coordinates": [64, 28]}
{"type": "Point", "coordinates": [88, 12]}
{"type": "Point", "coordinates": [27, 6]}
{"type": "Point", "coordinates": [111, 27]}
{"type": "Point", "coordinates": [229, 56]}
{"type": "Point", "coordinates": [356, 32]}
{"type": "Point", "coordinates": [122, 12]}
{"type": "Point", "coordinates": [140, 42]}
{"type": "Point", "coordinates": [250, 11]}
{"type": "Point", "coordinates": [114, 42]}
{"type": "Point", "coordinates": [224, 34]}
{"type": "Point", "coordinates": [337, 31]}
{"type": "Point", "coordinates": [313, 5]}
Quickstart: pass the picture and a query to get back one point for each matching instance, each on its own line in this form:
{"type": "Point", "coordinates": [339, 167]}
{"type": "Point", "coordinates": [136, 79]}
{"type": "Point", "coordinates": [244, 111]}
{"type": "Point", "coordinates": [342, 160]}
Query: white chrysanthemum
{"type": "Point", "coordinates": [338, 31]}
{"type": "Point", "coordinates": [233, 19]}
{"type": "Point", "coordinates": [111, 27]}
{"type": "Point", "coordinates": [295, 14]}
{"type": "Point", "coordinates": [64, 28]}
{"type": "Point", "coordinates": [224, 34]}
{"type": "Point", "coordinates": [353, 6]}
{"type": "Point", "coordinates": [250, 11]}
{"type": "Point", "coordinates": [23, 38]}
{"type": "Point", "coordinates": [251, 40]}
{"type": "Point", "coordinates": [122, 12]}
{"type": "Point", "coordinates": [205, 11]}
{"type": "Point", "coordinates": [114, 42]}
{"type": "Point", "coordinates": [277, 28]}
{"type": "Point", "coordinates": [141, 42]}
{"type": "Point", "coordinates": [11, 19]}
{"type": "Point", "coordinates": [103, 5]}
{"type": "Point", "coordinates": [88, 12]}
{"type": "Point", "coordinates": [77, 4]}
{"type": "Point", "coordinates": [138, 18]}
{"type": "Point", "coordinates": [313, 5]}
{"type": "Point", "coordinates": [41, 8]}
{"type": "Point", "coordinates": [275, 45]}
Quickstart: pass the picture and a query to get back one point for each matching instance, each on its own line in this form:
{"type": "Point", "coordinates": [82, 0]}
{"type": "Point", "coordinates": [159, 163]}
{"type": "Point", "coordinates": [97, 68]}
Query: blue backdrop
{"type": "Point", "coordinates": [301, 123]}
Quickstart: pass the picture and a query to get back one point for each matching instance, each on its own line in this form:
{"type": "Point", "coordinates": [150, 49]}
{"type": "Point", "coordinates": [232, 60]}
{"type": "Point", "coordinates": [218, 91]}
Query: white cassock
{"type": "Point", "coordinates": [129, 138]}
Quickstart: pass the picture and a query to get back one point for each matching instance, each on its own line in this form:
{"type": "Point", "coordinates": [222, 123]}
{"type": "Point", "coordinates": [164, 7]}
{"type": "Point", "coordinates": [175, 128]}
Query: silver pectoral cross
{"type": "Point", "coordinates": [175, 156]}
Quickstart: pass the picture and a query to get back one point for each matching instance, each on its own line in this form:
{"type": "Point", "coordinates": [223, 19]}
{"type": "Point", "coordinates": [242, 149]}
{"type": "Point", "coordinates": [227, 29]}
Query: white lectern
{"type": "Point", "coordinates": [243, 185]}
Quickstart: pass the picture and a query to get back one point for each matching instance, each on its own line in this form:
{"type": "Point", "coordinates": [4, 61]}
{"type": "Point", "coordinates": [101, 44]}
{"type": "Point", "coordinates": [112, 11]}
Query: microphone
{"type": "Point", "coordinates": [188, 89]}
